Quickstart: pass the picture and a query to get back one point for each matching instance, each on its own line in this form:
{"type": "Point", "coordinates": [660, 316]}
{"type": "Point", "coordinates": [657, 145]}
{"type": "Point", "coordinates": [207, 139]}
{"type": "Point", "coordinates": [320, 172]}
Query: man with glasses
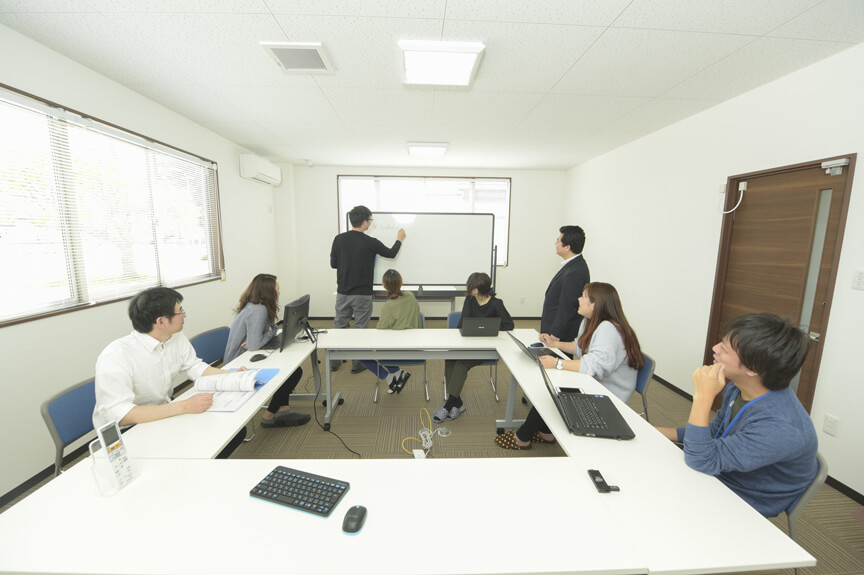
{"type": "Point", "coordinates": [353, 257]}
{"type": "Point", "coordinates": [135, 375]}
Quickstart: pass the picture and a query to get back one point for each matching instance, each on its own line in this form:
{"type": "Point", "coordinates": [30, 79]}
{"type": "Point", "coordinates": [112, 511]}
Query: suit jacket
{"type": "Point", "coordinates": [561, 305]}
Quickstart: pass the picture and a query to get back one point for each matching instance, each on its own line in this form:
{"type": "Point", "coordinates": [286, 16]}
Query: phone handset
{"type": "Point", "coordinates": [111, 469]}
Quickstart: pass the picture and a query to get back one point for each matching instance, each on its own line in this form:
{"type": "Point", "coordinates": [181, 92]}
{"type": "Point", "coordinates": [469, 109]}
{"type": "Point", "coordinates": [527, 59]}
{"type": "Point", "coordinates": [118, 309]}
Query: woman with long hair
{"type": "Point", "coordinates": [254, 327]}
{"type": "Point", "coordinates": [606, 348]}
{"type": "Point", "coordinates": [479, 302]}
{"type": "Point", "coordinates": [400, 311]}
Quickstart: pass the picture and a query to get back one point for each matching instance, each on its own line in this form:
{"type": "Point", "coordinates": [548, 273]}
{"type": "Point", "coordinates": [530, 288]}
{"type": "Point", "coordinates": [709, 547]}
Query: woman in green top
{"type": "Point", "coordinates": [400, 311]}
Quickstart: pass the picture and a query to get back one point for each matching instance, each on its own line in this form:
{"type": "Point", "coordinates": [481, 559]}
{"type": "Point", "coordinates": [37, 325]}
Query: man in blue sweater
{"type": "Point", "coordinates": [762, 443]}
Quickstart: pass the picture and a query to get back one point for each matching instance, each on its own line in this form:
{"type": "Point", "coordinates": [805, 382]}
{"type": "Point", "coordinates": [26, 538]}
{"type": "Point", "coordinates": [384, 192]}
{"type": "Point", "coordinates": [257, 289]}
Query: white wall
{"type": "Point", "coordinates": [533, 229]}
{"type": "Point", "coordinates": [651, 210]}
{"type": "Point", "coordinates": [42, 357]}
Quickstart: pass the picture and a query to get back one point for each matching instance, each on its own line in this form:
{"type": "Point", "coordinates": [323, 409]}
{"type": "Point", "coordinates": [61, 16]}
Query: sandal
{"type": "Point", "coordinates": [508, 441]}
{"type": "Point", "coordinates": [537, 438]}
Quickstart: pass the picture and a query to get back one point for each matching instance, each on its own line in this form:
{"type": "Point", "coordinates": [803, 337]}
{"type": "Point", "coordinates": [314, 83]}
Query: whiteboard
{"type": "Point", "coordinates": [439, 249]}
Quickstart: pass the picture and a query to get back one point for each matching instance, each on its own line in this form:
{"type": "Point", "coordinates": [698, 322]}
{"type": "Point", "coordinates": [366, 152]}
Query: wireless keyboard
{"type": "Point", "coordinates": [301, 490]}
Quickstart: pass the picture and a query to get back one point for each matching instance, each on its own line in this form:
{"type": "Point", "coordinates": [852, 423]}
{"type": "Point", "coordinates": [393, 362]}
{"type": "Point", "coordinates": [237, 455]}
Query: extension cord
{"type": "Point", "coordinates": [426, 438]}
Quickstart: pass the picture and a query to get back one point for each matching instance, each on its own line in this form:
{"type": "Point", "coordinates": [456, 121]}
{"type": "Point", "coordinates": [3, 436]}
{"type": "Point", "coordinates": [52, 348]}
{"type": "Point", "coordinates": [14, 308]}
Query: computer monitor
{"type": "Point", "coordinates": [295, 320]}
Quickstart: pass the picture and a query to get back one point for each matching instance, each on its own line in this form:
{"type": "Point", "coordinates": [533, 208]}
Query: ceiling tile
{"type": "Point", "coordinates": [180, 6]}
{"type": "Point", "coordinates": [376, 108]}
{"type": "Point", "coordinates": [754, 17]}
{"type": "Point", "coordinates": [578, 12]}
{"type": "Point", "coordinates": [838, 20]}
{"type": "Point", "coordinates": [756, 64]}
{"type": "Point", "coordinates": [44, 6]}
{"type": "Point", "coordinates": [630, 62]}
{"type": "Point", "coordinates": [480, 110]}
{"type": "Point", "coordinates": [523, 57]}
{"type": "Point", "coordinates": [369, 8]}
{"type": "Point", "coordinates": [658, 113]}
{"type": "Point", "coordinates": [579, 113]}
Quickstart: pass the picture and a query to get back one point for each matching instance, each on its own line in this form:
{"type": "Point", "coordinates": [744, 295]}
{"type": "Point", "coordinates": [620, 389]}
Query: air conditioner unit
{"type": "Point", "coordinates": [259, 169]}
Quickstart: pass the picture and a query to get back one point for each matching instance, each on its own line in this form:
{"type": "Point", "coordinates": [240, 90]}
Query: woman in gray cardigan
{"type": "Point", "coordinates": [606, 348]}
{"type": "Point", "coordinates": [254, 328]}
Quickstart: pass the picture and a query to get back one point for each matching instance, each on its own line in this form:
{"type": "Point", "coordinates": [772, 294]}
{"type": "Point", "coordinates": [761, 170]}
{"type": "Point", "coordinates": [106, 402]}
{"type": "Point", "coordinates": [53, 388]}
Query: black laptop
{"type": "Point", "coordinates": [583, 413]}
{"type": "Point", "coordinates": [534, 352]}
{"type": "Point", "coordinates": [480, 326]}
{"type": "Point", "coordinates": [588, 414]}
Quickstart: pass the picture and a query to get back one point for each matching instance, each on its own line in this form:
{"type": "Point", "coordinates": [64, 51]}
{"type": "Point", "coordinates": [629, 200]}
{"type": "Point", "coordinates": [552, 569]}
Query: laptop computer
{"type": "Point", "coordinates": [533, 352]}
{"type": "Point", "coordinates": [480, 326]}
{"type": "Point", "coordinates": [587, 414]}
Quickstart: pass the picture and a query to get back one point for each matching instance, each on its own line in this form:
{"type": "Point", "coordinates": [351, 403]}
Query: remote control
{"type": "Point", "coordinates": [600, 483]}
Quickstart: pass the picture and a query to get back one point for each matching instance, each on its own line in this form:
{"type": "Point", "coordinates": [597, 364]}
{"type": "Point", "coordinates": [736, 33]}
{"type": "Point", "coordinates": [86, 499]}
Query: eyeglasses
{"type": "Point", "coordinates": [181, 312]}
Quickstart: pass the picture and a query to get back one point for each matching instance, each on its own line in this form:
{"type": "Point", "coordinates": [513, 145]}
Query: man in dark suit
{"type": "Point", "coordinates": [560, 319]}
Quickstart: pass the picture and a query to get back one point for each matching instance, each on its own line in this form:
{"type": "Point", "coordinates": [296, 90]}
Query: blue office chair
{"type": "Point", "coordinates": [404, 363]}
{"type": "Point", "coordinates": [795, 511]}
{"type": "Point", "coordinates": [210, 345]}
{"type": "Point", "coordinates": [452, 322]}
{"type": "Point", "coordinates": [643, 379]}
{"type": "Point", "coordinates": [69, 416]}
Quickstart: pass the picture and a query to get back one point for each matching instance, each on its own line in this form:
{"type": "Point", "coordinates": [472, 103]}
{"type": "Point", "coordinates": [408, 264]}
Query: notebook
{"type": "Point", "coordinates": [480, 326]}
{"type": "Point", "coordinates": [588, 414]}
{"type": "Point", "coordinates": [533, 352]}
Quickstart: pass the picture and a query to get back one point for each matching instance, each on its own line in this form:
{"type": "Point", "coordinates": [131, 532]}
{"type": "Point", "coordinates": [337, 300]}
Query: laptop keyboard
{"type": "Point", "coordinates": [586, 411]}
{"type": "Point", "coordinates": [301, 490]}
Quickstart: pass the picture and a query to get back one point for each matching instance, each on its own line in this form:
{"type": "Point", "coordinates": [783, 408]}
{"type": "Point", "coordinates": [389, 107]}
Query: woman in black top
{"type": "Point", "coordinates": [478, 303]}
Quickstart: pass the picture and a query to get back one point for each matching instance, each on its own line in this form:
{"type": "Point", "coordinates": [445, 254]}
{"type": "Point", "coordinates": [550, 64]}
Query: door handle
{"type": "Point", "coordinates": [814, 336]}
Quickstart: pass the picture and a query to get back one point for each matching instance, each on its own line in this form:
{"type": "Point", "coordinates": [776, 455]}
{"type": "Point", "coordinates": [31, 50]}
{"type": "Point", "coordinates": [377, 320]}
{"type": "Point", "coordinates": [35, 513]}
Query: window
{"type": "Point", "coordinates": [427, 194]}
{"type": "Point", "coordinates": [91, 213]}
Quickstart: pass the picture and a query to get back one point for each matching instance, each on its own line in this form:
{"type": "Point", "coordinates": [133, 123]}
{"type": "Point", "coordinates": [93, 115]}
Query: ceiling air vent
{"type": "Point", "coordinates": [300, 57]}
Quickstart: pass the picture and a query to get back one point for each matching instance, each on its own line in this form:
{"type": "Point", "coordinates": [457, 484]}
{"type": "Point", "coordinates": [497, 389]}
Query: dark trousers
{"type": "Point", "coordinates": [533, 423]}
{"type": "Point", "coordinates": [282, 394]}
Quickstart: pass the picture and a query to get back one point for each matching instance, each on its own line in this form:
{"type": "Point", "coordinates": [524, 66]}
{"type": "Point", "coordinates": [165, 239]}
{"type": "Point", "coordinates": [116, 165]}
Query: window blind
{"type": "Point", "coordinates": [90, 213]}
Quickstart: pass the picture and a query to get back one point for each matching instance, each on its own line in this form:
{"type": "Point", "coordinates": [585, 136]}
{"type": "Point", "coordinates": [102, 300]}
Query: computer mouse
{"type": "Point", "coordinates": [537, 344]}
{"type": "Point", "coordinates": [258, 357]}
{"type": "Point", "coordinates": [354, 519]}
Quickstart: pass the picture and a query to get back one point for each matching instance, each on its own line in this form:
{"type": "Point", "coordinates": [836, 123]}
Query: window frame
{"type": "Point", "coordinates": [20, 97]}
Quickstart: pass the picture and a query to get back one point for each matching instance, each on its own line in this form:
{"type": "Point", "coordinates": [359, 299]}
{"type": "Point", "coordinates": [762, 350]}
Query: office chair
{"type": "Point", "coordinates": [643, 379]}
{"type": "Point", "coordinates": [404, 362]}
{"type": "Point", "coordinates": [795, 511]}
{"type": "Point", "coordinates": [69, 416]}
{"type": "Point", "coordinates": [452, 322]}
{"type": "Point", "coordinates": [210, 345]}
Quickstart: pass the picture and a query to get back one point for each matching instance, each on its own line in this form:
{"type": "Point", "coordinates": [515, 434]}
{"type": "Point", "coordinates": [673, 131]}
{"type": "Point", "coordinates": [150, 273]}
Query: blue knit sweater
{"type": "Point", "coordinates": [768, 456]}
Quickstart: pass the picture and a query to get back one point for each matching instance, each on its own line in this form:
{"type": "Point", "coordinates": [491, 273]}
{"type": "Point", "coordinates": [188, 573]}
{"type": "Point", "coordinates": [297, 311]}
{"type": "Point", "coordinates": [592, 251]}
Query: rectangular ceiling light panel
{"type": "Point", "coordinates": [441, 63]}
{"type": "Point", "coordinates": [300, 57]}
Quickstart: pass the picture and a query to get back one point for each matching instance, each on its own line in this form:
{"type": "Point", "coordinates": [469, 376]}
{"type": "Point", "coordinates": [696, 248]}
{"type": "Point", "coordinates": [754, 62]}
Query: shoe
{"type": "Point", "coordinates": [357, 367]}
{"type": "Point", "coordinates": [334, 365]}
{"type": "Point", "coordinates": [391, 384]}
{"type": "Point", "coordinates": [399, 383]}
{"type": "Point", "coordinates": [440, 415]}
{"type": "Point", "coordinates": [286, 418]}
{"type": "Point", "coordinates": [457, 411]}
{"type": "Point", "coordinates": [508, 441]}
{"type": "Point", "coordinates": [537, 438]}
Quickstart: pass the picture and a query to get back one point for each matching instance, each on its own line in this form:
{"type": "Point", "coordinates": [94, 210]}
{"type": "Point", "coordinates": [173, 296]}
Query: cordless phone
{"type": "Point", "coordinates": [115, 452]}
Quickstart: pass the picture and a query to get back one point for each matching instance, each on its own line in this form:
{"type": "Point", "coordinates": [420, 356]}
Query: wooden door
{"type": "Point", "coordinates": [786, 230]}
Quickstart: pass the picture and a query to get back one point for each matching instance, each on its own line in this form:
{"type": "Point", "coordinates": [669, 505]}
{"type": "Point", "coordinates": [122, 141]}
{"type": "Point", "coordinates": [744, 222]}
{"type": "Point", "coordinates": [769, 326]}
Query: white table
{"type": "Point", "coordinates": [666, 519]}
{"type": "Point", "coordinates": [196, 516]}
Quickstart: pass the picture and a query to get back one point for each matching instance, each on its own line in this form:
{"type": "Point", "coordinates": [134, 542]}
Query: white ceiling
{"type": "Point", "coordinates": [561, 81]}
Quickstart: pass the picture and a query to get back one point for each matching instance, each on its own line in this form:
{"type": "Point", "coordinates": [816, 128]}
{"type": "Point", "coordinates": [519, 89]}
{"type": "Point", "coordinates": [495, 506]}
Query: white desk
{"type": "Point", "coordinates": [666, 519]}
{"type": "Point", "coordinates": [204, 435]}
{"type": "Point", "coordinates": [196, 516]}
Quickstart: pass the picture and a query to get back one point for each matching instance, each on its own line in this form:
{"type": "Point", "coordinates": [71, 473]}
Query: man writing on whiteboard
{"type": "Point", "coordinates": [560, 320]}
{"type": "Point", "coordinates": [353, 257]}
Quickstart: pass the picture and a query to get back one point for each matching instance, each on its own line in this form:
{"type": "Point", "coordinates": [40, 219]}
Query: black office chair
{"type": "Point", "coordinates": [69, 416]}
{"type": "Point", "coordinates": [452, 322]}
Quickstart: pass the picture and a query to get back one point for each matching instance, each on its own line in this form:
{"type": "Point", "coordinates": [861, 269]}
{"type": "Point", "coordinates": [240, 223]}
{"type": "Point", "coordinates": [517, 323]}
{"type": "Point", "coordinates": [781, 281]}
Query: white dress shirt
{"type": "Point", "coordinates": [139, 370]}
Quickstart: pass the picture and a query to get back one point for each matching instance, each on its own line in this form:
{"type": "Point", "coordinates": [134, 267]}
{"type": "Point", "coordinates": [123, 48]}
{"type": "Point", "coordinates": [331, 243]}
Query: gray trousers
{"type": "Point", "coordinates": [347, 306]}
{"type": "Point", "coordinates": [456, 372]}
